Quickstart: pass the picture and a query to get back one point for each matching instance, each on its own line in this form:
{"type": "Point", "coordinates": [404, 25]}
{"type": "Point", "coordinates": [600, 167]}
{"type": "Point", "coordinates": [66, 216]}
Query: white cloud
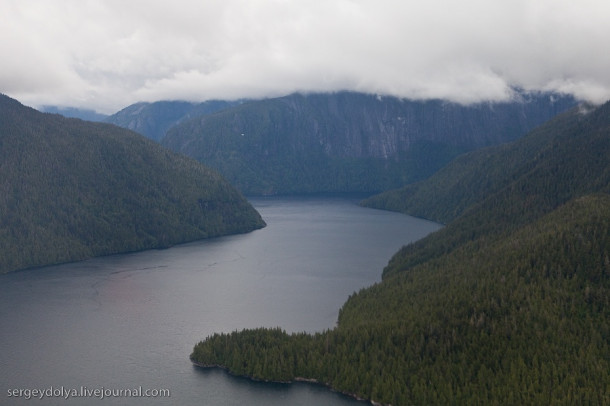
{"type": "Point", "coordinates": [108, 54]}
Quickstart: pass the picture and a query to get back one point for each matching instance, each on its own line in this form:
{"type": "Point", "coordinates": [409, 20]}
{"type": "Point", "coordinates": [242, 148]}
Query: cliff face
{"type": "Point", "coordinates": [366, 126]}
{"type": "Point", "coordinates": [349, 142]}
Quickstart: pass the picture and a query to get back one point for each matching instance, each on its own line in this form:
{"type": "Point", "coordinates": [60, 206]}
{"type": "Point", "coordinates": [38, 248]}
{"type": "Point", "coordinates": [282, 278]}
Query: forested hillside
{"type": "Point", "coordinates": [71, 189]}
{"type": "Point", "coordinates": [489, 192]}
{"type": "Point", "coordinates": [508, 304]}
{"type": "Point", "coordinates": [571, 149]}
{"type": "Point", "coordinates": [349, 142]}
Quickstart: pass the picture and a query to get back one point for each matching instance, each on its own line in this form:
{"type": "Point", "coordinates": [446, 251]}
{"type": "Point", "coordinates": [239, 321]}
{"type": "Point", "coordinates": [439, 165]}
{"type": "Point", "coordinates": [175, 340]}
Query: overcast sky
{"type": "Point", "coordinates": [107, 54]}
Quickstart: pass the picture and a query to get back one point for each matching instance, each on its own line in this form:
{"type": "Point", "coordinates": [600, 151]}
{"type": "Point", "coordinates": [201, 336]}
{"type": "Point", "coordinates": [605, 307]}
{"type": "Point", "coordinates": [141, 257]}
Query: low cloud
{"type": "Point", "coordinates": [106, 55]}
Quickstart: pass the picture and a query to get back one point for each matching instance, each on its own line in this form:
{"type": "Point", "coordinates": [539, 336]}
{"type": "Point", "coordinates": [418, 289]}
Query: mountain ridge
{"type": "Point", "coordinates": [348, 142]}
{"type": "Point", "coordinates": [74, 112]}
{"type": "Point", "coordinates": [154, 119]}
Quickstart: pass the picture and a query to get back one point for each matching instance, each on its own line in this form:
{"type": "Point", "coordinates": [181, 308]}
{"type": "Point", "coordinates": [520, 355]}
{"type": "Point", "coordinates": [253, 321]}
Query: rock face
{"type": "Point", "coordinates": [349, 142]}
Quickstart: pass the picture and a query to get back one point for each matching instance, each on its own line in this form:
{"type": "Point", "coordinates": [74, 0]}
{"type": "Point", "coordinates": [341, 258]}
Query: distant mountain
{"type": "Point", "coordinates": [154, 119]}
{"type": "Point", "coordinates": [73, 112]}
{"type": "Point", "coordinates": [349, 142]}
{"type": "Point", "coordinates": [507, 304]}
{"type": "Point", "coordinates": [72, 189]}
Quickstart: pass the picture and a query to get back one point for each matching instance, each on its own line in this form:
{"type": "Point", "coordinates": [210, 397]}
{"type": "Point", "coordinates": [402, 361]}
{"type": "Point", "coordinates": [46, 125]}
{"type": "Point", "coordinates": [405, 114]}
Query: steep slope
{"type": "Point", "coordinates": [508, 304]}
{"type": "Point", "coordinates": [154, 119]}
{"type": "Point", "coordinates": [349, 142]}
{"type": "Point", "coordinates": [491, 191]}
{"type": "Point", "coordinates": [71, 189]}
{"type": "Point", "coordinates": [471, 177]}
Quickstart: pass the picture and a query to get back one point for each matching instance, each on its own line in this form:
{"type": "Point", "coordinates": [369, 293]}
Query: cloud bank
{"type": "Point", "coordinates": [107, 54]}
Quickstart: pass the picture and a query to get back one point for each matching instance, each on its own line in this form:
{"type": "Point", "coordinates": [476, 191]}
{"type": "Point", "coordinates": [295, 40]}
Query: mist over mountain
{"type": "Point", "coordinates": [72, 189]}
{"type": "Point", "coordinates": [154, 119]}
{"type": "Point", "coordinates": [349, 142]}
{"type": "Point", "coordinates": [74, 112]}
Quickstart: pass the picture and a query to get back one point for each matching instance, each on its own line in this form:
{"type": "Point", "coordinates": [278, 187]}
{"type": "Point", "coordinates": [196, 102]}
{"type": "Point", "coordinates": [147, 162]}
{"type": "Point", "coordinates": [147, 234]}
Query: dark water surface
{"type": "Point", "coordinates": [130, 321]}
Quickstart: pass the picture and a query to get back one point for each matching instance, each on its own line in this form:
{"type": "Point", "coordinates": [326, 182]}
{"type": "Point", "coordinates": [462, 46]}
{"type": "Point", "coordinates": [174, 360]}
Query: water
{"type": "Point", "coordinates": [131, 321]}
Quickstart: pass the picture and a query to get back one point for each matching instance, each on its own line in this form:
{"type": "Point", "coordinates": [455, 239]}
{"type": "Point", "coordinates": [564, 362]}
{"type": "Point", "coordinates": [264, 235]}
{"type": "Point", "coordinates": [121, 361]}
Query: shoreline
{"type": "Point", "coordinates": [295, 379]}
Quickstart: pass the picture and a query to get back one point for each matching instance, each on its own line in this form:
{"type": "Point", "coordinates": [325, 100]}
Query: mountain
{"type": "Point", "coordinates": [568, 147]}
{"type": "Point", "coordinates": [74, 112]}
{"type": "Point", "coordinates": [349, 142]}
{"type": "Point", "coordinates": [154, 119]}
{"type": "Point", "coordinates": [507, 304]}
{"type": "Point", "coordinates": [72, 189]}
{"type": "Point", "coordinates": [510, 185]}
